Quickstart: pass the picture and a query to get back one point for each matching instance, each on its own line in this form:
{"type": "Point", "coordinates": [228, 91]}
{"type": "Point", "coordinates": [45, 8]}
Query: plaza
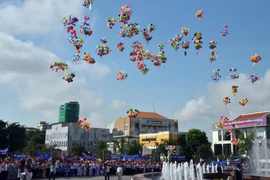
{"type": "Point", "coordinates": [92, 178]}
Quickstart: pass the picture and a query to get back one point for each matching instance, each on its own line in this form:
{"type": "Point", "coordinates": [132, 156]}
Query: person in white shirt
{"type": "Point", "coordinates": [52, 171]}
{"type": "Point", "coordinates": [119, 172]}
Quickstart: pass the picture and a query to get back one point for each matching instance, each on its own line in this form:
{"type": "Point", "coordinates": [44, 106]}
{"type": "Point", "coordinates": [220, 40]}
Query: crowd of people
{"type": "Point", "coordinates": [32, 168]}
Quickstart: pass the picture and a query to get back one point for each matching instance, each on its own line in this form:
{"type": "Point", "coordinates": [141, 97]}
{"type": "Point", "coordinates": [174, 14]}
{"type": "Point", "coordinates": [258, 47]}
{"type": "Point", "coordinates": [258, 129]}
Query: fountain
{"type": "Point", "coordinates": [260, 157]}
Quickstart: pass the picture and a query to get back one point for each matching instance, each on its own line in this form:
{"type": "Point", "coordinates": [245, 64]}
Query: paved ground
{"type": "Point", "coordinates": [92, 178]}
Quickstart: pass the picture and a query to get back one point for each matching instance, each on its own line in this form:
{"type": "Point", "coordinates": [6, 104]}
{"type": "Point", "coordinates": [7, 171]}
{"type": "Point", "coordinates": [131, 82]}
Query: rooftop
{"type": "Point", "coordinates": [252, 115]}
{"type": "Point", "coordinates": [150, 115]}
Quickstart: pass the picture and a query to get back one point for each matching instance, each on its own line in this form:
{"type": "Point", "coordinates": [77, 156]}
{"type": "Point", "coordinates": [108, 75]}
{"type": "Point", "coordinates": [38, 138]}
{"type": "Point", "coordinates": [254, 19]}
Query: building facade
{"type": "Point", "coordinates": [152, 140]}
{"type": "Point", "coordinates": [66, 135]}
{"type": "Point", "coordinates": [69, 112]}
{"type": "Point", "coordinates": [245, 124]}
{"type": "Point", "coordinates": [145, 122]}
{"type": "Point", "coordinates": [42, 125]}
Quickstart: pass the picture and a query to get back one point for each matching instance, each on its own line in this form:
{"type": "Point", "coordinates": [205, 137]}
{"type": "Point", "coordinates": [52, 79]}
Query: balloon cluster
{"type": "Point", "coordinates": [103, 49]}
{"type": "Point", "coordinates": [88, 3]}
{"type": "Point", "coordinates": [132, 113]}
{"type": "Point", "coordinates": [120, 46]}
{"type": "Point", "coordinates": [253, 78]}
{"type": "Point", "coordinates": [87, 57]}
{"type": "Point", "coordinates": [121, 75]}
{"type": "Point", "coordinates": [85, 27]}
{"type": "Point", "coordinates": [69, 77]}
{"type": "Point", "coordinates": [59, 66]}
{"type": "Point", "coordinates": [171, 149]}
{"type": "Point", "coordinates": [216, 75]}
{"type": "Point", "coordinates": [235, 141]}
{"type": "Point", "coordinates": [199, 14]}
{"type": "Point", "coordinates": [224, 31]}
{"type": "Point", "coordinates": [175, 41]}
{"type": "Point", "coordinates": [226, 100]}
{"type": "Point", "coordinates": [233, 74]}
{"type": "Point", "coordinates": [161, 46]}
{"type": "Point", "coordinates": [197, 40]}
{"type": "Point", "coordinates": [243, 102]}
{"type": "Point", "coordinates": [213, 46]}
{"type": "Point", "coordinates": [129, 30]}
{"type": "Point", "coordinates": [125, 14]}
{"type": "Point", "coordinates": [222, 121]}
{"type": "Point", "coordinates": [84, 124]}
{"type": "Point", "coordinates": [111, 22]}
{"type": "Point", "coordinates": [234, 89]}
{"type": "Point", "coordinates": [255, 59]}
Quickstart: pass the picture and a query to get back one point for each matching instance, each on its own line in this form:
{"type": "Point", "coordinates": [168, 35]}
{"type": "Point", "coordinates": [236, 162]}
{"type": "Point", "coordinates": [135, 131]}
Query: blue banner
{"type": "Point", "coordinates": [223, 163]}
{"type": "Point", "coordinates": [20, 156]}
{"type": "Point", "coordinates": [178, 158]}
{"type": "Point", "coordinates": [63, 170]}
{"type": "Point", "coordinates": [3, 151]}
{"type": "Point", "coordinates": [116, 157]}
{"type": "Point", "coordinates": [47, 156]}
{"type": "Point", "coordinates": [69, 159]}
{"type": "Point", "coordinates": [131, 158]}
{"type": "Point", "coordinates": [85, 156]}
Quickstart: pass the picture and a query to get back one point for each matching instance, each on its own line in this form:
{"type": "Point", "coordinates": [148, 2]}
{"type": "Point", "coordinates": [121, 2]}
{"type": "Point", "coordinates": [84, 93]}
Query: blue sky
{"type": "Point", "coordinates": [182, 78]}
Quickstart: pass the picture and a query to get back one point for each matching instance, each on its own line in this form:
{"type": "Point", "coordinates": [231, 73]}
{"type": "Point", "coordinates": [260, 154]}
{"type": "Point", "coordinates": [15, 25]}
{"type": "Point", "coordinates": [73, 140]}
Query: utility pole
{"type": "Point", "coordinates": [153, 107]}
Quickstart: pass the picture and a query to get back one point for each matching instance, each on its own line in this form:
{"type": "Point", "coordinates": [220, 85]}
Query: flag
{"type": "Point", "coordinates": [146, 151]}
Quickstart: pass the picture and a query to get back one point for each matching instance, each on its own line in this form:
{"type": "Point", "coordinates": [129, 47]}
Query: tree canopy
{"type": "Point", "coordinates": [196, 145]}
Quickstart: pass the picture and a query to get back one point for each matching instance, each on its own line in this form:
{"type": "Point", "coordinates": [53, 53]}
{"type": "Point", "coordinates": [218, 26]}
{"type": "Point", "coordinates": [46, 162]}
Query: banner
{"type": "Point", "coordinates": [63, 170]}
{"type": "Point", "coordinates": [178, 158]}
{"type": "Point", "coordinates": [21, 156]}
{"type": "Point", "coordinates": [69, 159]}
{"type": "Point", "coordinates": [130, 158]}
{"type": "Point", "coordinates": [3, 151]}
{"type": "Point", "coordinates": [244, 123]}
{"type": "Point", "coordinates": [116, 157]}
{"type": "Point", "coordinates": [85, 156]}
{"type": "Point", "coordinates": [46, 157]}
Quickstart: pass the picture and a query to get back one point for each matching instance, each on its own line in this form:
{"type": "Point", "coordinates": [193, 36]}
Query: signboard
{"type": "Point", "coordinates": [153, 122]}
{"type": "Point", "coordinates": [245, 123]}
{"type": "Point", "coordinates": [178, 158]}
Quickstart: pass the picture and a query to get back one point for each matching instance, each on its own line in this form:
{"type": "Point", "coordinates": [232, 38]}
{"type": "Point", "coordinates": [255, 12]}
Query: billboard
{"type": "Point", "coordinates": [245, 123]}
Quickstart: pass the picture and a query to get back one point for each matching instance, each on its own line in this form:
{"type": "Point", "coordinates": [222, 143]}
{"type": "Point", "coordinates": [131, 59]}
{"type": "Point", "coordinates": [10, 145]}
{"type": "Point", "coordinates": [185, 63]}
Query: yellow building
{"type": "Point", "coordinates": [152, 140]}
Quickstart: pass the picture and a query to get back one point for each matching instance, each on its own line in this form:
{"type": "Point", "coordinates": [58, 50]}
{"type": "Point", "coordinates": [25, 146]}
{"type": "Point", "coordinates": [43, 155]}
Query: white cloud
{"type": "Point", "coordinates": [118, 104]}
{"type": "Point", "coordinates": [38, 88]}
{"type": "Point", "coordinates": [201, 112]}
{"type": "Point", "coordinates": [38, 16]}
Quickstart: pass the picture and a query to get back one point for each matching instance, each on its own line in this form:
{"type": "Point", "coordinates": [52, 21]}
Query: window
{"type": "Point", "coordinates": [250, 131]}
{"type": "Point", "coordinates": [226, 135]}
{"type": "Point", "coordinates": [260, 132]}
{"type": "Point", "coordinates": [219, 135]}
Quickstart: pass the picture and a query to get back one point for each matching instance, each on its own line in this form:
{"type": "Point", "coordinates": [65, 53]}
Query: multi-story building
{"type": "Point", "coordinates": [152, 140]}
{"type": "Point", "coordinates": [42, 125]}
{"type": "Point", "coordinates": [69, 112]}
{"type": "Point", "coordinates": [245, 124]}
{"type": "Point", "coordinates": [145, 122]}
{"type": "Point", "coordinates": [66, 135]}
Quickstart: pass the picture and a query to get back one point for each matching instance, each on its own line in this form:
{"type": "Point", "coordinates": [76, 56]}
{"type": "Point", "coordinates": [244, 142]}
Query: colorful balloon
{"type": "Point", "coordinates": [125, 14]}
{"type": "Point", "coordinates": [253, 78]}
{"type": "Point", "coordinates": [70, 21]}
{"type": "Point", "coordinates": [84, 124]}
{"type": "Point", "coordinates": [243, 102]}
{"type": "Point", "coordinates": [216, 75]}
{"type": "Point", "coordinates": [111, 22]}
{"type": "Point", "coordinates": [85, 27]}
{"type": "Point", "coordinates": [197, 40]}
{"type": "Point", "coordinates": [223, 119]}
{"type": "Point", "coordinates": [146, 35]}
{"type": "Point", "coordinates": [69, 77]}
{"type": "Point", "coordinates": [224, 31]}
{"type": "Point", "coordinates": [234, 89]}
{"type": "Point", "coordinates": [233, 74]}
{"type": "Point", "coordinates": [199, 14]}
{"type": "Point", "coordinates": [185, 31]}
{"type": "Point", "coordinates": [102, 50]}
{"type": "Point", "coordinates": [161, 46]}
{"type": "Point", "coordinates": [88, 3]}
{"type": "Point", "coordinates": [87, 57]}
{"type": "Point", "coordinates": [120, 46]}
{"type": "Point", "coordinates": [132, 113]}
{"type": "Point", "coordinates": [151, 27]}
{"type": "Point", "coordinates": [255, 59]}
{"type": "Point", "coordinates": [235, 141]}
{"type": "Point", "coordinates": [103, 40]}
{"type": "Point", "coordinates": [185, 46]}
{"type": "Point", "coordinates": [121, 75]}
{"type": "Point", "coordinates": [59, 66]}
{"type": "Point", "coordinates": [226, 100]}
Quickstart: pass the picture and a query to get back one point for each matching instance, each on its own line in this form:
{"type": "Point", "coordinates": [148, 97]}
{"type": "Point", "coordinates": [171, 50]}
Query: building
{"type": "Point", "coordinates": [152, 140]}
{"type": "Point", "coordinates": [31, 129]}
{"type": "Point", "coordinates": [42, 125]}
{"type": "Point", "coordinates": [121, 140]}
{"type": "Point", "coordinates": [110, 127]}
{"type": "Point", "coordinates": [246, 124]}
{"type": "Point", "coordinates": [69, 112]}
{"type": "Point", "coordinates": [145, 122]}
{"type": "Point", "coordinates": [66, 135]}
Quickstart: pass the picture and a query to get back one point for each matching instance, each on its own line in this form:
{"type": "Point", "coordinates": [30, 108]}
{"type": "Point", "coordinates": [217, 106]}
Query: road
{"type": "Point", "coordinates": [91, 178]}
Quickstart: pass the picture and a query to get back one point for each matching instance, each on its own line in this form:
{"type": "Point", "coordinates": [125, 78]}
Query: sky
{"type": "Point", "coordinates": [32, 37]}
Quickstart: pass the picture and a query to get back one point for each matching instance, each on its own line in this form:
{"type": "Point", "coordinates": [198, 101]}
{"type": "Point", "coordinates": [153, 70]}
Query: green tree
{"type": "Point", "coordinates": [121, 145]}
{"type": "Point", "coordinates": [100, 148]}
{"type": "Point", "coordinates": [16, 137]}
{"type": "Point", "coordinates": [227, 151]}
{"type": "Point", "coordinates": [133, 148]}
{"type": "Point", "coordinates": [3, 134]}
{"type": "Point", "coordinates": [196, 145]}
{"type": "Point", "coordinates": [34, 142]}
{"type": "Point", "coordinates": [77, 150]}
{"type": "Point", "coordinates": [245, 144]}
